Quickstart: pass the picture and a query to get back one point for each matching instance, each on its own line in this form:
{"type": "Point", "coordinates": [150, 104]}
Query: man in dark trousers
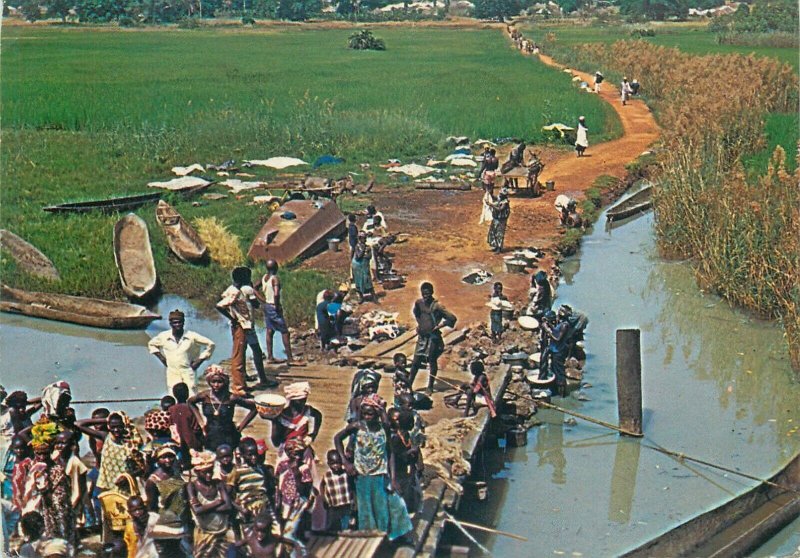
{"type": "Point", "coordinates": [431, 317]}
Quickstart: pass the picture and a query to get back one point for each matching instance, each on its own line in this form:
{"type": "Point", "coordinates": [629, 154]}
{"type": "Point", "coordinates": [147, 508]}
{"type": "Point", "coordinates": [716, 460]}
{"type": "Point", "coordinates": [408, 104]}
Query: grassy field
{"type": "Point", "coordinates": [692, 38]}
{"type": "Point", "coordinates": [89, 113]}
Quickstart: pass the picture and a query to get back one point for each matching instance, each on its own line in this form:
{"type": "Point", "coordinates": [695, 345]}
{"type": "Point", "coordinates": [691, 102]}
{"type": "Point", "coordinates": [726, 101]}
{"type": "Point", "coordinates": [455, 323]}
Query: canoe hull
{"type": "Point", "coordinates": [637, 203]}
{"type": "Point", "coordinates": [134, 257]}
{"type": "Point", "coordinates": [285, 240]}
{"type": "Point", "coordinates": [76, 309]}
{"type": "Point", "coordinates": [106, 206]}
{"type": "Point", "coordinates": [182, 238]}
{"type": "Point", "coordinates": [28, 257]}
{"type": "Point", "coordinates": [735, 528]}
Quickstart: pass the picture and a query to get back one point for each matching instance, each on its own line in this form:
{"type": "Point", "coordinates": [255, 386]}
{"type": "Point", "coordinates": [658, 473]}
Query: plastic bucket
{"type": "Point", "coordinates": [550, 185]}
{"type": "Point", "coordinates": [333, 244]}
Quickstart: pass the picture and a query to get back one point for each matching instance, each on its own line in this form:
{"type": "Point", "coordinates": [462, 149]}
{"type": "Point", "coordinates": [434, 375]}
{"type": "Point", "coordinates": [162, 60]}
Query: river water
{"type": "Point", "coordinates": [717, 385]}
{"type": "Point", "coordinates": [98, 363]}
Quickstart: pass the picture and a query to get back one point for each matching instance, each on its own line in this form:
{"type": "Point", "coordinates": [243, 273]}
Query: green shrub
{"type": "Point", "coordinates": [189, 23]}
{"type": "Point", "coordinates": [364, 40]}
{"type": "Point", "coordinates": [248, 21]}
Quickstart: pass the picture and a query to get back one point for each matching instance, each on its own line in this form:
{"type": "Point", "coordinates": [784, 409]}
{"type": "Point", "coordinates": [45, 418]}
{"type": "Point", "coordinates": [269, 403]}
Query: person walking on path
{"type": "Point", "coordinates": [273, 315]}
{"type": "Point", "coordinates": [582, 141]}
{"type": "Point", "coordinates": [180, 350]}
{"type": "Point", "coordinates": [501, 210]}
{"type": "Point", "coordinates": [431, 317]}
{"type": "Point", "coordinates": [233, 305]}
{"type": "Point", "coordinates": [625, 90]}
{"type": "Point", "coordinates": [598, 79]}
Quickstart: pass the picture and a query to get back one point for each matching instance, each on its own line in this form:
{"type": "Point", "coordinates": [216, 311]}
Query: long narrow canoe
{"type": "Point", "coordinates": [28, 257]}
{"type": "Point", "coordinates": [737, 527]}
{"type": "Point", "coordinates": [134, 256]}
{"type": "Point", "coordinates": [637, 203]}
{"type": "Point", "coordinates": [75, 309]}
{"type": "Point", "coordinates": [183, 240]}
{"type": "Point", "coordinates": [111, 205]}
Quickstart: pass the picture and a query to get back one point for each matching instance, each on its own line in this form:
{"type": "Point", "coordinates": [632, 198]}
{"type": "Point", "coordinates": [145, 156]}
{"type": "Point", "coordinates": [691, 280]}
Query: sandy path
{"type": "Point", "coordinates": [447, 241]}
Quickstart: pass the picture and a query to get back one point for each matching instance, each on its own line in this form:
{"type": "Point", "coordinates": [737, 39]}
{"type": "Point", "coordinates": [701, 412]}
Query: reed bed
{"type": "Point", "coordinates": [742, 234]}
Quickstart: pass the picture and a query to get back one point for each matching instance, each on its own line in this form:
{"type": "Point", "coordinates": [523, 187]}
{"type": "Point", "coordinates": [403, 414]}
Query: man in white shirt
{"type": "Point", "coordinates": [180, 351]}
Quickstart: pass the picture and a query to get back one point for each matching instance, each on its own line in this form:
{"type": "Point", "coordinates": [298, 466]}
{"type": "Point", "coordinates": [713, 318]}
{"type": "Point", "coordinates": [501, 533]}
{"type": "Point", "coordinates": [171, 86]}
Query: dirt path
{"type": "Point", "coordinates": [447, 241]}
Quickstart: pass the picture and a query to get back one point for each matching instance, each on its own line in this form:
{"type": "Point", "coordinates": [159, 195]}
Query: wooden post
{"type": "Point", "coordinates": [629, 380]}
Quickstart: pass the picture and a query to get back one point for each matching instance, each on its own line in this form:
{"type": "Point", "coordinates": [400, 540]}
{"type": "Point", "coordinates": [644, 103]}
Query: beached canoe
{"type": "Point", "coordinates": [637, 203]}
{"type": "Point", "coordinates": [28, 257]}
{"type": "Point", "coordinates": [134, 256]}
{"type": "Point", "coordinates": [126, 203]}
{"type": "Point", "coordinates": [737, 527]}
{"type": "Point", "coordinates": [75, 309]}
{"type": "Point", "coordinates": [183, 240]}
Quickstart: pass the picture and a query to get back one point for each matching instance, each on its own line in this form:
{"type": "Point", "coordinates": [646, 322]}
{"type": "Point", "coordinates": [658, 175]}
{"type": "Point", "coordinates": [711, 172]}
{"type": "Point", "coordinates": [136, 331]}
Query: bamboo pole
{"type": "Point", "coordinates": [463, 529]}
{"type": "Point", "coordinates": [493, 531]}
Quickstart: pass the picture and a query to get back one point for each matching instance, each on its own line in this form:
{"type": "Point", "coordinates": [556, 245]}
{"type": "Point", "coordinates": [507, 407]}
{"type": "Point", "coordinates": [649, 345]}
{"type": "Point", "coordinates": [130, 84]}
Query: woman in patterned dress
{"type": "Point", "coordinates": [379, 505]}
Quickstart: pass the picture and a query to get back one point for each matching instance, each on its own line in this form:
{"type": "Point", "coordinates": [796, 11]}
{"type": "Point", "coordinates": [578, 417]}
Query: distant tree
{"type": "Point", "coordinates": [297, 10]}
{"type": "Point", "coordinates": [772, 16]}
{"type": "Point", "coordinates": [496, 9]}
{"type": "Point", "coordinates": [657, 10]}
{"type": "Point", "coordinates": [58, 8]}
{"type": "Point", "coordinates": [30, 10]}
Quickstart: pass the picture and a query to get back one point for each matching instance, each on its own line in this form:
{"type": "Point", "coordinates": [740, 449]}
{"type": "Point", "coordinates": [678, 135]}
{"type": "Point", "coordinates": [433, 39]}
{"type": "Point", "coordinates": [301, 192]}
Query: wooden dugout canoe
{"type": "Point", "coordinates": [91, 312]}
{"type": "Point", "coordinates": [182, 238]}
{"type": "Point", "coordinates": [107, 206]}
{"type": "Point", "coordinates": [28, 257]}
{"type": "Point", "coordinates": [637, 203]}
{"type": "Point", "coordinates": [737, 527]}
{"type": "Point", "coordinates": [134, 256]}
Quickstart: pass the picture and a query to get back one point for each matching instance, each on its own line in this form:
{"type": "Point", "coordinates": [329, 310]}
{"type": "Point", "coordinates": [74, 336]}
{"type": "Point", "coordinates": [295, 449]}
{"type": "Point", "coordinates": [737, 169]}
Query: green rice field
{"type": "Point", "coordinates": [89, 113]}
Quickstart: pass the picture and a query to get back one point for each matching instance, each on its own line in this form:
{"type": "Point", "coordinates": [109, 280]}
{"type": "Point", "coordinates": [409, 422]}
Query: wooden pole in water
{"type": "Point", "coordinates": [629, 380]}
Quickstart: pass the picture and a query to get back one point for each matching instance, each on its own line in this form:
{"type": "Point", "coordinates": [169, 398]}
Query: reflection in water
{"type": "Point", "coordinates": [623, 480]}
{"type": "Point", "coordinates": [716, 385]}
{"type": "Point", "coordinates": [550, 447]}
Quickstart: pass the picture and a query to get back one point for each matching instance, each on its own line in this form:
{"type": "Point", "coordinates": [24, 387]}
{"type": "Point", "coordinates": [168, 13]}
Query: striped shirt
{"type": "Point", "coordinates": [250, 485]}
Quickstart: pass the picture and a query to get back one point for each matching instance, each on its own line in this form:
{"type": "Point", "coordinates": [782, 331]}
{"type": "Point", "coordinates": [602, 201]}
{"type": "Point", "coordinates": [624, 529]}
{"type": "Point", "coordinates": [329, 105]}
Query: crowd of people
{"type": "Point", "coordinates": [184, 480]}
{"type": "Point", "coordinates": [191, 484]}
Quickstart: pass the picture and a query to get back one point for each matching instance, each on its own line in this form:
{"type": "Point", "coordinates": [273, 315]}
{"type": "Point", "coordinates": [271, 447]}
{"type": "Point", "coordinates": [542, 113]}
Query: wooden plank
{"type": "Point", "coordinates": [379, 349]}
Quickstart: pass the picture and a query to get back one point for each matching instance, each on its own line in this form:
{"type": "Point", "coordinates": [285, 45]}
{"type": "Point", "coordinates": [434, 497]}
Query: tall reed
{"type": "Point", "coordinates": [743, 237]}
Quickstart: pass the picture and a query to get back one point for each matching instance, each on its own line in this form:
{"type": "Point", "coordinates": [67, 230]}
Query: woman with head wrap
{"type": "Point", "coordinates": [379, 506]}
{"type": "Point", "coordinates": [47, 486]}
{"type": "Point", "coordinates": [166, 495]}
{"type": "Point", "coordinates": [365, 382]}
{"type": "Point", "coordinates": [363, 267]}
{"type": "Point", "coordinates": [156, 424]}
{"type": "Point", "coordinates": [210, 505]}
{"type": "Point", "coordinates": [298, 422]}
{"type": "Point", "coordinates": [217, 406]}
{"type": "Point", "coordinates": [119, 441]}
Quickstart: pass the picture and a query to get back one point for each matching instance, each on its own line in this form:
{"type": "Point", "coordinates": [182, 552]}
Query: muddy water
{"type": "Point", "coordinates": [99, 364]}
{"type": "Point", "coordinates": [716, 385]}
